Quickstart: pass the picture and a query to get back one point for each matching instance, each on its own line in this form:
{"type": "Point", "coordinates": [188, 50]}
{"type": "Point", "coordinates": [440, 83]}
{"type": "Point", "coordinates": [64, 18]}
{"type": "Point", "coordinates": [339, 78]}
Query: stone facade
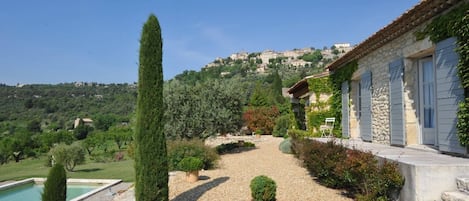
{"type": "Point", "coordinates": [406, 46]}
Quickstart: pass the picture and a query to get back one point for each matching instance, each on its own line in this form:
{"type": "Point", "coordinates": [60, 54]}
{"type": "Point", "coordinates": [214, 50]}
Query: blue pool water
{"type": "Point", "coordinates": [32, 192]}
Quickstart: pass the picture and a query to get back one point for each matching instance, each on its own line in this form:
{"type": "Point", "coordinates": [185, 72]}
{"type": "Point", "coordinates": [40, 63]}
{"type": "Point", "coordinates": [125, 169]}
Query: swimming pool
{"type": "Point", "coordinates": [31, 189]}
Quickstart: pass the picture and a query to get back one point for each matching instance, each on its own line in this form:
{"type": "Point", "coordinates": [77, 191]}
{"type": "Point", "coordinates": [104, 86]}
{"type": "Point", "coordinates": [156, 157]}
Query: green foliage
{"type": "Point", "coordinates": [261, 97]}
{"type": "Point", "coordinates": [285, 146]}
{"type": "Point", "coordinates": [34, 126]}
{"type": "Point", "coordinates": [355, 171]}
{"type": "Point", "coordinates": [316, 119]}
{"type": "Point", "coordinates": [282, 124]}
{"type": "Point", "coordinates": [190, 164]}
{"type": "Point", "coordinates": [300, 134]}
{"type": "Point", "coordinates": [120, 135]}
{"type": "Point", "coordinates": [104, 121]}
{"type": "Point", "coordinates": [277, 87]}
{"type": "Point", "coordinates": [68, 155]}
{"type": "Point", "coordinates": [463, 122]}
{"type": "Point", "coordinates": [47, 140]}
{"type": "Point", "coordinates": [263, 188]}
{"type": "Point", "coordinates": [82, 130]}
{"type": "Point", "coordinates": [340, 76]}
{"type": "Point", "coordinates": [55, 187]}
{"type": "Point", "coordinates": [320, 109]}
{"type": "Point", "coordinates": [314, 57]}
{"type": "Point", "coordinates": [445, 26]}
{"type": "Point", "coordinates": [202, 110]}
{"type": "Point", "coordinates": [233, 147]}
{"type": "Point", "coordinates": [67, 102]}
{"type": "Point", "coordinates": [151, 162]}
{"type": "Point", "coordinates": [320, 85]}
{"type": "Point", "coordinates": [180, 149]}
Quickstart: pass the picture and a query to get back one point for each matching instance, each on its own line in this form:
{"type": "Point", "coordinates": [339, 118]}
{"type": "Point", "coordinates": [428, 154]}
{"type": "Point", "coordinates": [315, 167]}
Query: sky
{"type": "Point", "coordinates": [60, 41]}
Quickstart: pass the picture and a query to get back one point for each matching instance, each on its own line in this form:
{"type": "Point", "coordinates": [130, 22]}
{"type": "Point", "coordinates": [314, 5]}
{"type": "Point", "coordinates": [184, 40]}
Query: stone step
{"type": "Point", "coordinates": [454, 196]}
{"type": "Point", "coordinates": [463, 183]}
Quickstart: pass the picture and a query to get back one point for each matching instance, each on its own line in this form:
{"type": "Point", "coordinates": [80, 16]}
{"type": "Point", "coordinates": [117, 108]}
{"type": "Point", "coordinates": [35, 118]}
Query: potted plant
{"type": "Point", "coordinates": [191, 165]}
{"type": "Point", "coordinates": [259, 132]}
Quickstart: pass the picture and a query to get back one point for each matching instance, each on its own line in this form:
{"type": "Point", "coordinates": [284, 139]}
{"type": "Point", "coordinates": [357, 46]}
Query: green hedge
{"type": "Point", "coordinates": [358, 172]}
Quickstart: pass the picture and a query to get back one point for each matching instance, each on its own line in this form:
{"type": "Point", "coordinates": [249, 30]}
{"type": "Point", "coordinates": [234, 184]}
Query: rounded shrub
{"type": "Point", "coordinates": [285, 146]}
{"type": "Point", "coordinates": [55, 187]}
{"type": "Point", "coordinates": [190, 164]}
{"type": "Point", "coordinates": [263, 188]}
{"type": "Point", "coordinates": [180, 149]}
{"type": "Point", "coordinates": [281, 126]}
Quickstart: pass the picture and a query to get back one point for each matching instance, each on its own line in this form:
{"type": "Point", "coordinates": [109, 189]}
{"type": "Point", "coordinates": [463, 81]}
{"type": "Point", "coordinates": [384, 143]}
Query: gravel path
{"type": "Point", "coordinates": [231, 180]}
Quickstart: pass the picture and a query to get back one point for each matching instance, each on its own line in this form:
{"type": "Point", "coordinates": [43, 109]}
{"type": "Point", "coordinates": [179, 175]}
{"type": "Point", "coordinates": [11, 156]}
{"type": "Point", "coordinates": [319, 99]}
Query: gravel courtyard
{"type": "Point", "coordinates": [230, 181]}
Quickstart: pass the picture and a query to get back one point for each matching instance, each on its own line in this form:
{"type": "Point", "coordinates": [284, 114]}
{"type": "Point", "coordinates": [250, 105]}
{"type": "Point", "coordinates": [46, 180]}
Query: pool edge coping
{"type": "Point", "coordinates": [108, 183]}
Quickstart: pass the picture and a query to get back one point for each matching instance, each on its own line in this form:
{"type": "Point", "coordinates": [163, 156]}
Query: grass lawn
{"type": "Point", "coordinates": [90, 170]}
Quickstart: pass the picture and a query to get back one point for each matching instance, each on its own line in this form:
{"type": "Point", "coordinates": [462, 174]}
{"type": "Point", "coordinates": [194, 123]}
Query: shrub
{"type": "Point", "coordinates": [263, 188]}
{"type": "Point", "coordinates": [68, 155]}
{"type": "Point", "coordinates": [55, 187]}
{"type": "Point", "coordinates": [190, 164]}
{"type": "Point", "coordinates": [281, 126]}
{"type": "Point", "coordinates": [285, 146]}
{"type": "Point", "coordinates": [322, 158]}
{"type": "Point", "coordinates": [356, 171]}
{"type": "Point", "coordinates": [261, 118]}
{"type": "Point", "coordinates": [180, 149]}
{"type": "Point", "coordinates": [230, 147]}
{"type": "Point", "coordinates": [300, 134]}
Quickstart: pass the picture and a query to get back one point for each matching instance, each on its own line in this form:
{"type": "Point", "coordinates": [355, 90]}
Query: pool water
{"type": "Point", "coordinates": [32, 192]}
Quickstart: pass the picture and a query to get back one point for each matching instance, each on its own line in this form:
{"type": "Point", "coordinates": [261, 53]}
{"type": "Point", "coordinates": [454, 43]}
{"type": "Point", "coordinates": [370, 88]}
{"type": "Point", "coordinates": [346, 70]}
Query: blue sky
{"type": "Point", "coordinates": [56, 41]}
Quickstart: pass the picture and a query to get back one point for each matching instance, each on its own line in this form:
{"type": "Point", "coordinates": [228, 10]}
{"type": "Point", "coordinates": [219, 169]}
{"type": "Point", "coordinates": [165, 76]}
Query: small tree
{"type": "Point", "coordinates": [120, 135]}
{"type": "Point", "coordinates": [55, 187]}
{"type": "Point", "coordinates": [69, 155]}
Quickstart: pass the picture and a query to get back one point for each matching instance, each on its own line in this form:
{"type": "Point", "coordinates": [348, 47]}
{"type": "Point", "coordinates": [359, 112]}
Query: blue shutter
{"type": "Point", "coordinates": [448, 94]}
{"type": "Point", "coordinates": [396, 102]}
{"type": "Point", "coordinates": [345, 110]}
{"type": "Point", "coordinates": [365, 118]}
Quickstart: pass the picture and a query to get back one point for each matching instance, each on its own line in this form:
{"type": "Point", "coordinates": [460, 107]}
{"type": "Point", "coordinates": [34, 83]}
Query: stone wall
{"type": "Point", "coordinates": [377, 62]}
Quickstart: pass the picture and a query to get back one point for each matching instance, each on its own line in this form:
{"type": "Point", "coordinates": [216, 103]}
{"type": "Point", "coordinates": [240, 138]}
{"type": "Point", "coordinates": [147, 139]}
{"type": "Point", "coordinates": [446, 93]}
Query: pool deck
{"type": "Point", "coordinates": [427, 173]}
{"type": "Point", "coordinates": [110, 193]}
{"type": "Point", "coordinates": [108, 189]}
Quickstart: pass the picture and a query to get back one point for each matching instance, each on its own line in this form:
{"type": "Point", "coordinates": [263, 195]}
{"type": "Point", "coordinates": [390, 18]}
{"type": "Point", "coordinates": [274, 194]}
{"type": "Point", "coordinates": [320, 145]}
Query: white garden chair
{"type": "Point", "coordinates": [327, 127]}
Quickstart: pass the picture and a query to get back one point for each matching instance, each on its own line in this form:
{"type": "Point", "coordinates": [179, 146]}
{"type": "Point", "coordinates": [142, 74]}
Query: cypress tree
{"type": "Point", "coordinates": [55, 187]}
{"type": "Point", "coordinates": [151, 163]}
{"type": "Point", "coordinates": [277, 87]}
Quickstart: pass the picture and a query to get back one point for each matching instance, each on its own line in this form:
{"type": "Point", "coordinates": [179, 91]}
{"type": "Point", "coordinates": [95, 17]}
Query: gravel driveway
{"type": "Point", "coordinates": [230, 181]}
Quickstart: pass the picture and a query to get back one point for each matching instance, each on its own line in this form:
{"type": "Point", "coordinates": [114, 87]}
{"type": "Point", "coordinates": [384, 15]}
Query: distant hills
{"type": "Point", "coordinates": [56, 106]}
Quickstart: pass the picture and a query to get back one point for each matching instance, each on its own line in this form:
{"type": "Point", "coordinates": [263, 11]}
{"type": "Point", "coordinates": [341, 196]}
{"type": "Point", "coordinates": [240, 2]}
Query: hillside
{"type": "Point", "coordinates": [56, 106]}
{"type": "Point", "coordinates": [292, 65]}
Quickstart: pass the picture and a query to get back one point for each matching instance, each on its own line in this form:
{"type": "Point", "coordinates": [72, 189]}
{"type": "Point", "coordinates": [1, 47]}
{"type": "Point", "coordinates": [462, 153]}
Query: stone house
{"type": "Point", "coordinates": [302, 98]}
{"type": "Point", "coordinates": [86, 122]}
{"type": "Point", "coordinates": [405, 91]}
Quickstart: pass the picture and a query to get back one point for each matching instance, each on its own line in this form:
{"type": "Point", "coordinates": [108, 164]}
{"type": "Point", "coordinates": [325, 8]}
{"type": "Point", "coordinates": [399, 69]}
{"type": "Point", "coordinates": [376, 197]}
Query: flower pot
{"type": "Point", "coordinates": [192, 176]}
